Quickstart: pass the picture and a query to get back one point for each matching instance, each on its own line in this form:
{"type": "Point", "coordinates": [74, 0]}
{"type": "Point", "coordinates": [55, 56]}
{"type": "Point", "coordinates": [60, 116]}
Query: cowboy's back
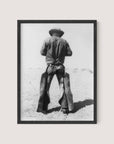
{"type": "Point", "coordinates": [55, 49]}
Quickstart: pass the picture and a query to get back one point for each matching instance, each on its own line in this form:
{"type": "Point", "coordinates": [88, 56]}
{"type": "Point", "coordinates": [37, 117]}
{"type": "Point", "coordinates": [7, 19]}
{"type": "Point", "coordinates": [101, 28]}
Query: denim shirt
{"type": "Point", "coordinates": [55, 49]}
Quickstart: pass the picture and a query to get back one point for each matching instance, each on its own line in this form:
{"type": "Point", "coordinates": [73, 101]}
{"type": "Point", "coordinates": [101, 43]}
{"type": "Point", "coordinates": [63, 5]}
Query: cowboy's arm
{"type": "Point", "coordinates": [68, 50]}
{"type": "Point", "coordinates": [44, 49]}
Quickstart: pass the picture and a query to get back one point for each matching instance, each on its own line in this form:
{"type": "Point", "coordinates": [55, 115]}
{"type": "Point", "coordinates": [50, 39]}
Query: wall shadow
{"type": "Point", "coordinates": [77, 106]}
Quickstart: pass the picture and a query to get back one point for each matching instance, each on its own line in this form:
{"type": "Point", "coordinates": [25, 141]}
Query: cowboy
{"type": "Point", "coordinates": [55, 49]}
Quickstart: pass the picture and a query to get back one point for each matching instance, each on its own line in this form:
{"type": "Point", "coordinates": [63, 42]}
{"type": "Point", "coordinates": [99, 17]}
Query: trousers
{"type": "Point", "coordinates": [66, 100]}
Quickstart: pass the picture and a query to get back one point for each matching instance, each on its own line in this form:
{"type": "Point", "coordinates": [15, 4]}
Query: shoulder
{"type": "Point", "coordinates": [65, 42]}
{"type": "Point", "coordinates": [47, 40]}
{"type": "Point", "coordinates": [62, 40]}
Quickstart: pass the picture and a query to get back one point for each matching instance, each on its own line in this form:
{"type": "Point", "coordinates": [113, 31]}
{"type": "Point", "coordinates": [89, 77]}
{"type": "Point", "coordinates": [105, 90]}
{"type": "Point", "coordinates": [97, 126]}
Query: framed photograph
{"type": "Point", "coordinates": [57, 71]}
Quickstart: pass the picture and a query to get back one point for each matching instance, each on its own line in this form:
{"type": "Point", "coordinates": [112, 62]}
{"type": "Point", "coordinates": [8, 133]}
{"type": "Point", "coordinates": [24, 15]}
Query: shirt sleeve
{"type": "Point", "coordinates": [44, 49]}
{"type": "Point", "coordinates": [68, 50]}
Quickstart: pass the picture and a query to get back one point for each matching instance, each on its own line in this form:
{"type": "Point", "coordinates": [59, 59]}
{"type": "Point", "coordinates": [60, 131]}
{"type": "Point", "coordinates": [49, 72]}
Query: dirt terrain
{"type": "Point", "coordinates": [81, 86]}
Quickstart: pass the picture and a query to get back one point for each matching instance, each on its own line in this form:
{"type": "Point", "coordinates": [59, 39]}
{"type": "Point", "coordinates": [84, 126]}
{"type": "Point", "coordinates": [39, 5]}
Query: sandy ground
{"type": "Point", "coordinates": [82, 89]}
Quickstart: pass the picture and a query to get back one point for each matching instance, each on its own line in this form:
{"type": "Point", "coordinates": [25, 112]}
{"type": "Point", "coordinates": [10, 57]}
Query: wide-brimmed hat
{"type": "Point", "coordinates": [58, 31]}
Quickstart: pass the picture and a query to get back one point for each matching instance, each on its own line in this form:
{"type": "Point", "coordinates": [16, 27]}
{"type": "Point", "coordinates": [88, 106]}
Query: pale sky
{"type": "Point", "coordinates": [79, 36]}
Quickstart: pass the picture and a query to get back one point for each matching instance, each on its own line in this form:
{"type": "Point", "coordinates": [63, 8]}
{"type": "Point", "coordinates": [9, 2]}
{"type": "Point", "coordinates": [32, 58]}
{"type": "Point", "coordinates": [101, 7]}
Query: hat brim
{"type": "Point", "coordinates": [59, 32]}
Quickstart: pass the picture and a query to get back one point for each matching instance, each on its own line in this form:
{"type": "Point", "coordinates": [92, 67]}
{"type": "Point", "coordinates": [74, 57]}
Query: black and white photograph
{"type": "Point", "coordinates": [57, 71]}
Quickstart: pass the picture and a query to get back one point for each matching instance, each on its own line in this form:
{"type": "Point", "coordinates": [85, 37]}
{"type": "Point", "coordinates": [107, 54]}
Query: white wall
{"type": "Point", "coordinates": [12, 10]}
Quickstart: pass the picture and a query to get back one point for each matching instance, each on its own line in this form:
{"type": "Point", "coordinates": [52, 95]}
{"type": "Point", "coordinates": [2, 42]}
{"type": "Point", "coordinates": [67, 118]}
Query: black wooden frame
{"type": "Point", "coordinates": [19, 22]}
